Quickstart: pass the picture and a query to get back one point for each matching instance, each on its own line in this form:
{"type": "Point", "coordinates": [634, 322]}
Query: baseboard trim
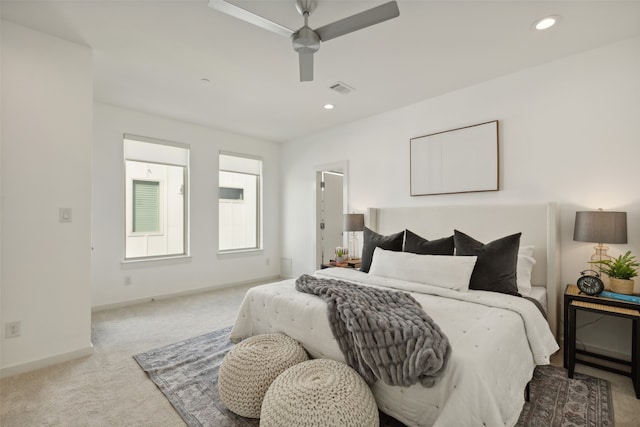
{"type": "Point", "coordinates": [46, 362]}
{"type": "Point", "coordinates": [127, 303]}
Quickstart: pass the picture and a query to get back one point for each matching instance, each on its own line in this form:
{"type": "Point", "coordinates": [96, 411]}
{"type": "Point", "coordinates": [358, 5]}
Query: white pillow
{"type": "Point", "coordinates": [523, 273]}
{"type": "Point", "coordinates": [453, 272]}
{"type": "Point", "coordinates": [526, 250]}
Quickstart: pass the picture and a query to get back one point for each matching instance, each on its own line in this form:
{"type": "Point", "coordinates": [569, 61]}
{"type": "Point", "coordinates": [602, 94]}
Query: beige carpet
{"type": "Point", "coordinates": [110, 389]}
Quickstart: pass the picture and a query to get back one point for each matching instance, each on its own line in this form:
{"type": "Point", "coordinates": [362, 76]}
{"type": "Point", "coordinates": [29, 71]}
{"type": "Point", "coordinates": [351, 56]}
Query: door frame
{"type": "Point", "coordinates": [340, 166]}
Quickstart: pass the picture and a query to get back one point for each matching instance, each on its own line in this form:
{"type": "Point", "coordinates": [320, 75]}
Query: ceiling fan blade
{"type": "Point", "coordinates": [306, 66]}
{"type": "Point", "coordinates": [250, 17]}
{"type": "Point", "coordinates": [359, 21]}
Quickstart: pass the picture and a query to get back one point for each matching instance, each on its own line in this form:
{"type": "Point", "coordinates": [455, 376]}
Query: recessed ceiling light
{"type": "Point", "coordinates": [546, 22]}
{"type": "Point", "coordinates": [328, 106]}
{"type": "Point", "coordinates": [204, 80]}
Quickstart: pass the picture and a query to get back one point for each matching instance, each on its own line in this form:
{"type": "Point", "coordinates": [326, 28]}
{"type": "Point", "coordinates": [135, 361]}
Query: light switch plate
{"type": "Point", "coordinates": [65, 214]}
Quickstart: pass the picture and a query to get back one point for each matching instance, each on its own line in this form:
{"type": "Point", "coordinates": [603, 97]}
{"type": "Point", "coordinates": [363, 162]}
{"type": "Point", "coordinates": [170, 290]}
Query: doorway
{"type": "Point", "coordinates": [331, 204]}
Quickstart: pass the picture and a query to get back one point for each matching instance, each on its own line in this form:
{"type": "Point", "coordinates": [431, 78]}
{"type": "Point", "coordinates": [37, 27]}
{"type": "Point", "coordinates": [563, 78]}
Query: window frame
{"type": "Point", "coordinates": [259, 202]}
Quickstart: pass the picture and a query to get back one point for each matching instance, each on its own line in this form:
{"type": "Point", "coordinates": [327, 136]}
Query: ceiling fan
{"type": "Point", "coordinates": [306, 40]}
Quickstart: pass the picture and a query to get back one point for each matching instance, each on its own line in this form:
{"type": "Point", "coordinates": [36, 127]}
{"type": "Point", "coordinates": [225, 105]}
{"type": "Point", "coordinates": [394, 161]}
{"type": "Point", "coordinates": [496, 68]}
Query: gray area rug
{"type": "Point", "coordinates": [187, 374]}
{"type": "Point", "coordinates": [556, 400]}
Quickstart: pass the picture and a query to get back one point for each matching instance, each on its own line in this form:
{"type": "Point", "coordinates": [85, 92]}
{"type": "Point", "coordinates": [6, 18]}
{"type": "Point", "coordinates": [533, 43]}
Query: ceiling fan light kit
{"type": "Point", "coordinates": [306, 41]}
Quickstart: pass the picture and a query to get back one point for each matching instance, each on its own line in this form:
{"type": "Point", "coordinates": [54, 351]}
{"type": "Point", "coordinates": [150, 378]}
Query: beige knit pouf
{"type": "Point", "coordinates": [321, 393]}
{"type": "Point", "coordinates": [250, 367]}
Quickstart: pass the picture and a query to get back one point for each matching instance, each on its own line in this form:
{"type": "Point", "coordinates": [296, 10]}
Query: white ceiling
{"type": "Point", "coordinates": [151, 55]}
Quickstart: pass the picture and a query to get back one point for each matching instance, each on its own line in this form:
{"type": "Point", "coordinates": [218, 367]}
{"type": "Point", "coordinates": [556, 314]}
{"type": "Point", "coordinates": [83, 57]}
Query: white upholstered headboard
{"type": "Point", "coordinates": [538, 224]}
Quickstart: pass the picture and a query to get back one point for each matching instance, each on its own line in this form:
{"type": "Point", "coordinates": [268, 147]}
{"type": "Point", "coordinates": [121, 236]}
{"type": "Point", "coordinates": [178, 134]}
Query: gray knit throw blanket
{"type": "Point", "coordinates": [383, 334]}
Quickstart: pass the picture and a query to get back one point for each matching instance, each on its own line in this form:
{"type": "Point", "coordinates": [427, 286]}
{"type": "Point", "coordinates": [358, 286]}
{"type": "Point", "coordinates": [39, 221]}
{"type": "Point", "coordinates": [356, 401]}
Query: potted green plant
{"type": "Point", "coordinates": [621, 271]}
{"type": "Point", "coordinates": [339, 254]}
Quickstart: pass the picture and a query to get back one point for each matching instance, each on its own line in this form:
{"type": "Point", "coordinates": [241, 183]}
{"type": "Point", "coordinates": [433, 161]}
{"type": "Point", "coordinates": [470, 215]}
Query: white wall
{"type": "Point", "coordinates": [47, 94]}
{"type": "Point", "coordinates": [569, 131]}
{"type": "Point", "coordinates": [205, 268]}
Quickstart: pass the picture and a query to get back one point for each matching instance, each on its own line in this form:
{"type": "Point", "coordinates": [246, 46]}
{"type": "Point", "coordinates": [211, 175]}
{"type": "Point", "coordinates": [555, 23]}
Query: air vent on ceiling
{"type": "Point", "coordinates": [341, 88]}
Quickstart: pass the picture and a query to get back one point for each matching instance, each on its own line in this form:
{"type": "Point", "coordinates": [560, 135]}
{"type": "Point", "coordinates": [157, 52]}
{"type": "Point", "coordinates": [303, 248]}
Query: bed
{"type": "Point", "coordinates": [496, 339]}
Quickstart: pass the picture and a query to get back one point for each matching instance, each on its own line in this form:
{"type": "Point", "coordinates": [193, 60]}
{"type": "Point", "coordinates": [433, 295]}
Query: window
{"type": "Point", "coordinates": [231, 193]}
{"type": "Point", "coordinates": [239, 202]}
{"type": "Point", "coordinates": [156, 198]}
{"type": "Point", "coordinates": [146, 206]}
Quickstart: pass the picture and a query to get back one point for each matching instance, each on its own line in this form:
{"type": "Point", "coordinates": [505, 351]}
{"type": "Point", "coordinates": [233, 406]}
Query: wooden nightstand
{"type": "Point", "coordinates": [574, 301]}
{"type": "Point", "coordinates": [352, 263]}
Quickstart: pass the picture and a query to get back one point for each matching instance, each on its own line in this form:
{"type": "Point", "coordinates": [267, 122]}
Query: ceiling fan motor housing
{"type": "Point", "coordinates": [305, 40]}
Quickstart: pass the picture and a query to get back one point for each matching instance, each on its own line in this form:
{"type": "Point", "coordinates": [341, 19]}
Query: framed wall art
{"type": "Point", "coordinates": [459, 160]}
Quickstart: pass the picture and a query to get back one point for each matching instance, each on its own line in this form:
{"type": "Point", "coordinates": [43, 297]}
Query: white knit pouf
{"type": "Point", "coordinates": [321, 393]}
{"type": "Point", "coordinates": [250, 367]}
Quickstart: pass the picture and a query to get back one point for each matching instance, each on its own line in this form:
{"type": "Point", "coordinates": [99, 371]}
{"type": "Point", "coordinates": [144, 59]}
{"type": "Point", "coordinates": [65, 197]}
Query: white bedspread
{"type": "Point", "coordinates": [497, 341]}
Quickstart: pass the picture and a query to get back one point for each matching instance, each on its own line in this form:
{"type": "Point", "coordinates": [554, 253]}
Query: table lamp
{"type": "Point", "coordinates": [600, 227]}
{"type": "Point", "coordinates": [353, 222]}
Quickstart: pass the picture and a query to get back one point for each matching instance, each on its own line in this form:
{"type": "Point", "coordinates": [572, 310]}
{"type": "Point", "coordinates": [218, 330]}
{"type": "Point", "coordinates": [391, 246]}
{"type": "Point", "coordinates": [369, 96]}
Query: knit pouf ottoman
{"type": "Point", "coordinates": [250, 367]}
{"type": "Point", "coordinates": [321, 393]}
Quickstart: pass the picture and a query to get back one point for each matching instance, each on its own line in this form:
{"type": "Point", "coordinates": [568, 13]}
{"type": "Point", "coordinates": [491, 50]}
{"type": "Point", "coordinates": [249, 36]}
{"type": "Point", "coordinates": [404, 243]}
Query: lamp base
{"type": "Point", "coordinates": [353, 244]}
{"type": "Point", "coordinates": [599, 255]}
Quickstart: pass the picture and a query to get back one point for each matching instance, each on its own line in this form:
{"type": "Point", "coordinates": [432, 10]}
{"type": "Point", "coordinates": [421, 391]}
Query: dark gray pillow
{"type": "Point", "coordinates": [495, 269]}
{"type": "Point", "coordinates": [419, 245]}
{"type": "Point", "coordinates": [373, 240]}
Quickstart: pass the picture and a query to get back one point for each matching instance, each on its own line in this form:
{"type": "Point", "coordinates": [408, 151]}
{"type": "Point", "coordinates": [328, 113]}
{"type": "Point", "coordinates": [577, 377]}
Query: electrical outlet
{"type": "Point", "coordinates": [127, 280]}
{"type": "Point", "coordinates": [12, 329]}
